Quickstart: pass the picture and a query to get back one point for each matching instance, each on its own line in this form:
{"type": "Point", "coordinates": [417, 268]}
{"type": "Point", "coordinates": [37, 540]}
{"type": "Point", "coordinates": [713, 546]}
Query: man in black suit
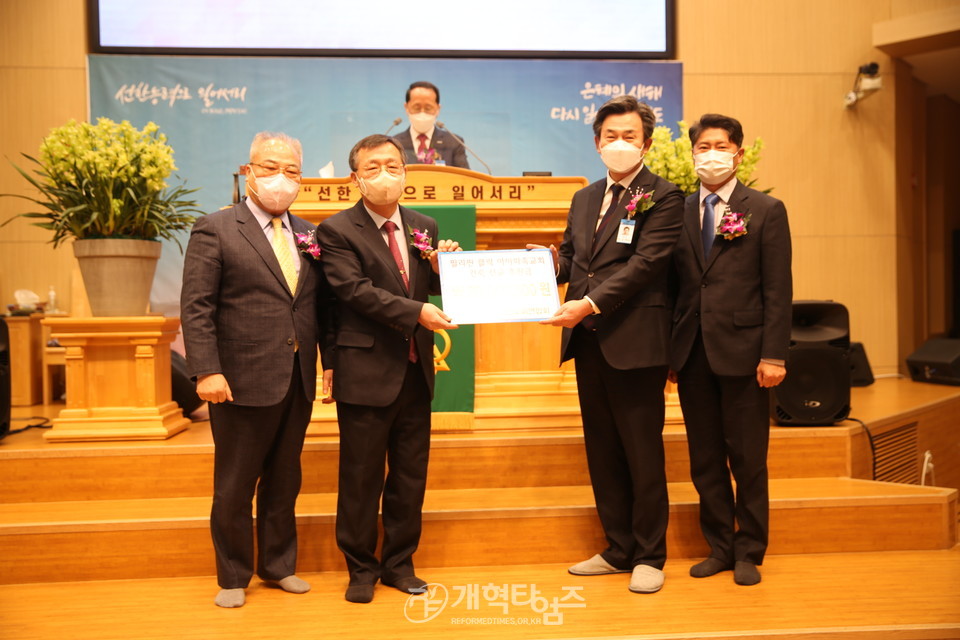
{"type": "Point", "coordinates": [250, 301]}
{"type": "Point", "coordinates": [731, 331]}
{"type": "Point", "coordinates": [380, 259]}
{"type": "Point", "coordinates": [616, 249]}
{"type": "Point", "coordinates": [423, 142]}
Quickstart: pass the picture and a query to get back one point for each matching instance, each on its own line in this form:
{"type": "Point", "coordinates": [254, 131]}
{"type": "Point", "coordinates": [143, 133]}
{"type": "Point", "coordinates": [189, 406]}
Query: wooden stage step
{"type": "Point", "coordinates": [166, 537]}
{"type": "Point", "coordinates": [38, 471]}
{"type": "Point", "coordinates": [902, 595]}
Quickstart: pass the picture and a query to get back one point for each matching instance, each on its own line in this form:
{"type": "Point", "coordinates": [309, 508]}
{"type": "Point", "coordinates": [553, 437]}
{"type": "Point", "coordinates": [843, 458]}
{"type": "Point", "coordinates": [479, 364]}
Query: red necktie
{"type": "Point", "coordinates": [391, 227]}
{"type": "Point", "coordinates": [422, 149]}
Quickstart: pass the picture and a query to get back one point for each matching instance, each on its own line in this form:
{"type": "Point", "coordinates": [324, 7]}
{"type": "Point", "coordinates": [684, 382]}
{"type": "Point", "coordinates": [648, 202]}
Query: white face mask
{"type": "Point", "coordinates": [421, 122]}
{"type": "Point", "coordinates": [714, 166]}
{"type": "Point", "coordinates": [620, 156]}
{"type": "Point", "coordinates": [384, 189]}
{"type": "Point", "coordinates": [276, 193]}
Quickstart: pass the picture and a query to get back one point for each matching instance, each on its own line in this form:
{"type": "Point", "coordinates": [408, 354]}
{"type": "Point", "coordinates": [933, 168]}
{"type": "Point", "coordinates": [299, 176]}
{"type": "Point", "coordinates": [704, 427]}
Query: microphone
{"type": "Point", "coordinates": [440, 125]}
{"type": "Point", "coordinates": [395, 123]}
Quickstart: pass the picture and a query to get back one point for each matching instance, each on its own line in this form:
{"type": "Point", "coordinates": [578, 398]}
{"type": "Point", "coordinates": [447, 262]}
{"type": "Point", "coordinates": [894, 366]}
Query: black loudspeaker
{"type": "Point", "coordinates": [4, 379]}
{"type": "Point", "coordinates": [861, 375]}
{"type": "Point", "coordinates": [937, 360]}
{"type": "Point", "coordinates": [816, 390]}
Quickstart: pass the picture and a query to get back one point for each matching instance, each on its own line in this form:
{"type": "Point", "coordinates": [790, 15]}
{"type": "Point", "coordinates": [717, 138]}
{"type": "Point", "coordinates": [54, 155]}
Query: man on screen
{"type": "Point", "coordinates": [616, 248]}
{"type": "Point", "coordinates": [381, 262]}
{"type": "Point", "coordinates": [730, 337]}
{"type": "Point", "coordinates": [423, 142]}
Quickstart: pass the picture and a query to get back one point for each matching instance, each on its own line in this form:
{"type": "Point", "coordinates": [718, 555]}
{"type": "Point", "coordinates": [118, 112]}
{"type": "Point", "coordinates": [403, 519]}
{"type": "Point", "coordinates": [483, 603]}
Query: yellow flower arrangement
{"type": "Point", "coordinates": [671, 159]}
{"type": "Point", "coordinates": [107, 180]}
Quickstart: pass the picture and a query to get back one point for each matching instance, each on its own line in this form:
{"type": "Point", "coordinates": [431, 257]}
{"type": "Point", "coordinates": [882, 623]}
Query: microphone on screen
{"type": "Point", "coordinates": [440, 125]}
{"type": "Point", "coordinates": [395, 123]}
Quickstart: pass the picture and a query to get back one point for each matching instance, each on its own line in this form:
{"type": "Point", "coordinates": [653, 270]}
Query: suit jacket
{"type": "Point", "coordinates": [378, 316]}
{"type": "Point", "coordinates": [741, 297]}
{"type": "Point", "coordinates": [454, 154]}
{"type": "Point", "coordinates": [628, 282]}
{"type": "Point", "coordinates": [239, 317]}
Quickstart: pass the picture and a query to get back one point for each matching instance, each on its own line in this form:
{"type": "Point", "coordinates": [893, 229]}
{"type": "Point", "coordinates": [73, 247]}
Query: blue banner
{"type": "Point", "coordinates": [517, 115]}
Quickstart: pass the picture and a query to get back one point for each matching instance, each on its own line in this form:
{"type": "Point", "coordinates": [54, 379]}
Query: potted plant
{"type": "Point", "coordinates": [671, 159]}
{"type": "Point", "coordinates": [105, 186]}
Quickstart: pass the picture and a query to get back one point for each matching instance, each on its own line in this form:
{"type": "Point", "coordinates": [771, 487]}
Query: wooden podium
{"type": "Point", "coordinates": [118, 379]}
{"type": "Point", "coordinates": [519, 383]}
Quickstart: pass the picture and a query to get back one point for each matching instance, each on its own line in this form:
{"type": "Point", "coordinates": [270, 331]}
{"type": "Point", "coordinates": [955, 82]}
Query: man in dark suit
{"type": "Point", "coordinates": [423, 142]}
{"type": "Point", "coordinates": [249, 307]}
{"type": "Point", "coordinates": [616, 249]}
{"type": "Point", "coordinates": [380, 259]}
{"type": "Point", "coordinates": [731, 331]}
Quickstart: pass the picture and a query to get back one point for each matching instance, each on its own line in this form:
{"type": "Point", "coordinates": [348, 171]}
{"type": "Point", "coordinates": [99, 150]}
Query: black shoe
{"type": "Point", "coordinates": [359, 593]}
{"type": "Point", "coordinates": [746, 574]}
{"type": "Point", "coordinates": [709, 567]}
{"type": "Point", "coordinates": [408, 584]}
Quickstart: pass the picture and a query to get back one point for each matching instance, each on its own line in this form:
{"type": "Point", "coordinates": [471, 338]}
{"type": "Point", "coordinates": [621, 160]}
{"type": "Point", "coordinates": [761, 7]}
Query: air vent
{"type": "Point", "coordinates": [897, 455]}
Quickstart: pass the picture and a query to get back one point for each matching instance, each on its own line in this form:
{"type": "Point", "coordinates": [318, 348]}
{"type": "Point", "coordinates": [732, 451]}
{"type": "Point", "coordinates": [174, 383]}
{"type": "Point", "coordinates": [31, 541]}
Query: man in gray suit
{"type": "Point", "coordinates": [380, 259]}
{"type": "Point", "coordinates": [731, 331]}
{"type": "Point", "coordinates": [423, 142]}
{"type": "Point", "coordinates": [254, 309]}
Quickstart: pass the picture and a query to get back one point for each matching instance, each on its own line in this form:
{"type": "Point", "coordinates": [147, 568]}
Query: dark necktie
{"type": "Point", "coordinates": [616, 190]}
{"type": "Point", "coordinates": [390, 228]}
{"type": "Point", "coordinates": [708, 229]}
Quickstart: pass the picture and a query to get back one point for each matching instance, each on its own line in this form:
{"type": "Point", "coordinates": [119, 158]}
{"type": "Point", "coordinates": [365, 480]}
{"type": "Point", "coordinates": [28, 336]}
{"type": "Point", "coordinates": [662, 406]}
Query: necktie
{"type": "Point", "coordinates": [616, 190]}
{"type": "Point", "coordinates": [390, 228]}
{"type": "Point", "coordinates": [708, 229]}
{"type": "Point", "coordinates": [422, 149]}
{"type": "Point", "coordinates": [282, 250]}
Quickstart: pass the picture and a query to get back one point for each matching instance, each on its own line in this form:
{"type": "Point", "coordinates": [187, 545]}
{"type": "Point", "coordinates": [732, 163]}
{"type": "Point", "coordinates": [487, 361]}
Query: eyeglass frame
{"type": "Point", "coordinates": [272, 171]}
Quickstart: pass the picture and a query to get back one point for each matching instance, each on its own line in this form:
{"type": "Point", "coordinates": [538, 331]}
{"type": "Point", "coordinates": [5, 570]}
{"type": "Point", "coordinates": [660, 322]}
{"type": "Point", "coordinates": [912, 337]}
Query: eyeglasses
{"type": "Point", "coordinates": [291, 171]}
{"type": "Point", "coordinates": [372, 171]}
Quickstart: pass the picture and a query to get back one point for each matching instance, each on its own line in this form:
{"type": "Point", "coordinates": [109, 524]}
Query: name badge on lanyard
{"type": "Point", "coordinates": [625, 232]}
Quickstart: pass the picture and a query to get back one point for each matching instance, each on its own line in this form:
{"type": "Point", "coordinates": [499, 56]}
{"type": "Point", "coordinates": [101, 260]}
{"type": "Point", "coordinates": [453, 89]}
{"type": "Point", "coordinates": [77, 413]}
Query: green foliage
{"type": "Point", "coordinates": [671, 159]}
{"type": "Point", "coordinates": [107, 180]}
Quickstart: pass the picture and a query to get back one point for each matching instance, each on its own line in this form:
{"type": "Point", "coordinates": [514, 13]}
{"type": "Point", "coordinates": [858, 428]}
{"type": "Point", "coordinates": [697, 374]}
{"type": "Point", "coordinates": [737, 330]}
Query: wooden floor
{"type": "Point", "coordinates": [849, 558]}
{"type": "Point", "coordinates": [854, 596]}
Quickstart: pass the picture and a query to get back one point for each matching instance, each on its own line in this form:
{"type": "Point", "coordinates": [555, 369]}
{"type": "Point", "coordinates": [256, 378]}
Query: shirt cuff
{"type": "Point", "coordinates": [593, 304]}
{"type": "Point", "coordinates": [778, 363]}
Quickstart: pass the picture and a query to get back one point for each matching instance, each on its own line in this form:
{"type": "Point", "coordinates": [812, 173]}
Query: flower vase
{"type": "Point", "coordinates": [117, 274]}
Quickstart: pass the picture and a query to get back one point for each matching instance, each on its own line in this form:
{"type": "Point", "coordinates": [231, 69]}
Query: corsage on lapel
{"type": "Point", "coordinates": [420, 240]}
{"type": "Point", "coordinates": [639, 202]}
{"type": "Point", "coordinates": [732, 224]}
{"type": "Point", "coordinates": [307, 244]}
{"type": "Point", "coordinates": [430, 156]}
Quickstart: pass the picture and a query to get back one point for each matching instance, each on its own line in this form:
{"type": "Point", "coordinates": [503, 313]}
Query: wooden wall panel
{"type": "Point", "coordinates": [43, 72]}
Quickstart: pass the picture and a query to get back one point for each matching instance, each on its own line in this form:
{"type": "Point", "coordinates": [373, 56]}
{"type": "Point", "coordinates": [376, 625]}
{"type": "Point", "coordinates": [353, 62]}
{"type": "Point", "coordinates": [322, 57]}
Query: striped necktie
{"type": "Point", "coordinates": [708, 229]}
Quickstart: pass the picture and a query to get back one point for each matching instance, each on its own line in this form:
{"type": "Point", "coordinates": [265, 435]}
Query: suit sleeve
{"type": "Point", "coordinates": [659, 235]}
{"type": "Point", "coordinates": [460, 156]}
{"type": "Point", "coordinates": [434, 277]}
{"type": "Point", "coordinates": [565, 252]}
{"type": "Point", "coordinates": [777, 283]}
{"type": "Point", "coordinates": [328, 321]}
{"type": "Point", "coordinates": [355, 290]}
{"type": "Point", "coordinates": [202, 269]}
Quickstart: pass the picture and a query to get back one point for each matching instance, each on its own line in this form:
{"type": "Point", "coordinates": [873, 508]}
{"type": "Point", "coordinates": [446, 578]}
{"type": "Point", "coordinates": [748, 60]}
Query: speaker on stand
{"type": "Point", "coordinates": [816, 391]}
{"type": "Point", "coordinates": [5, 390]}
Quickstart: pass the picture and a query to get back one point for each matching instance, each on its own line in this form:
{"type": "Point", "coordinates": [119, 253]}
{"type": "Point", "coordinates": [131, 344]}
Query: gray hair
{"type": "Point", "coordinates": [266, 136]}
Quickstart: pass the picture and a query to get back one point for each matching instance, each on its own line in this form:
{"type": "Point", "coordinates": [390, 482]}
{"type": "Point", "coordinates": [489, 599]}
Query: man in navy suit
{"type": "Point", "coordinates": [380, 259]}
{"type": "Point", "coordinates": [731, 331]}
{"type": "Point", "coordinates": [616, 249]}
{"type": "Point", "coordinates": [252, 294]}
{"type": "Point", "coordinates": [423, 142]}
